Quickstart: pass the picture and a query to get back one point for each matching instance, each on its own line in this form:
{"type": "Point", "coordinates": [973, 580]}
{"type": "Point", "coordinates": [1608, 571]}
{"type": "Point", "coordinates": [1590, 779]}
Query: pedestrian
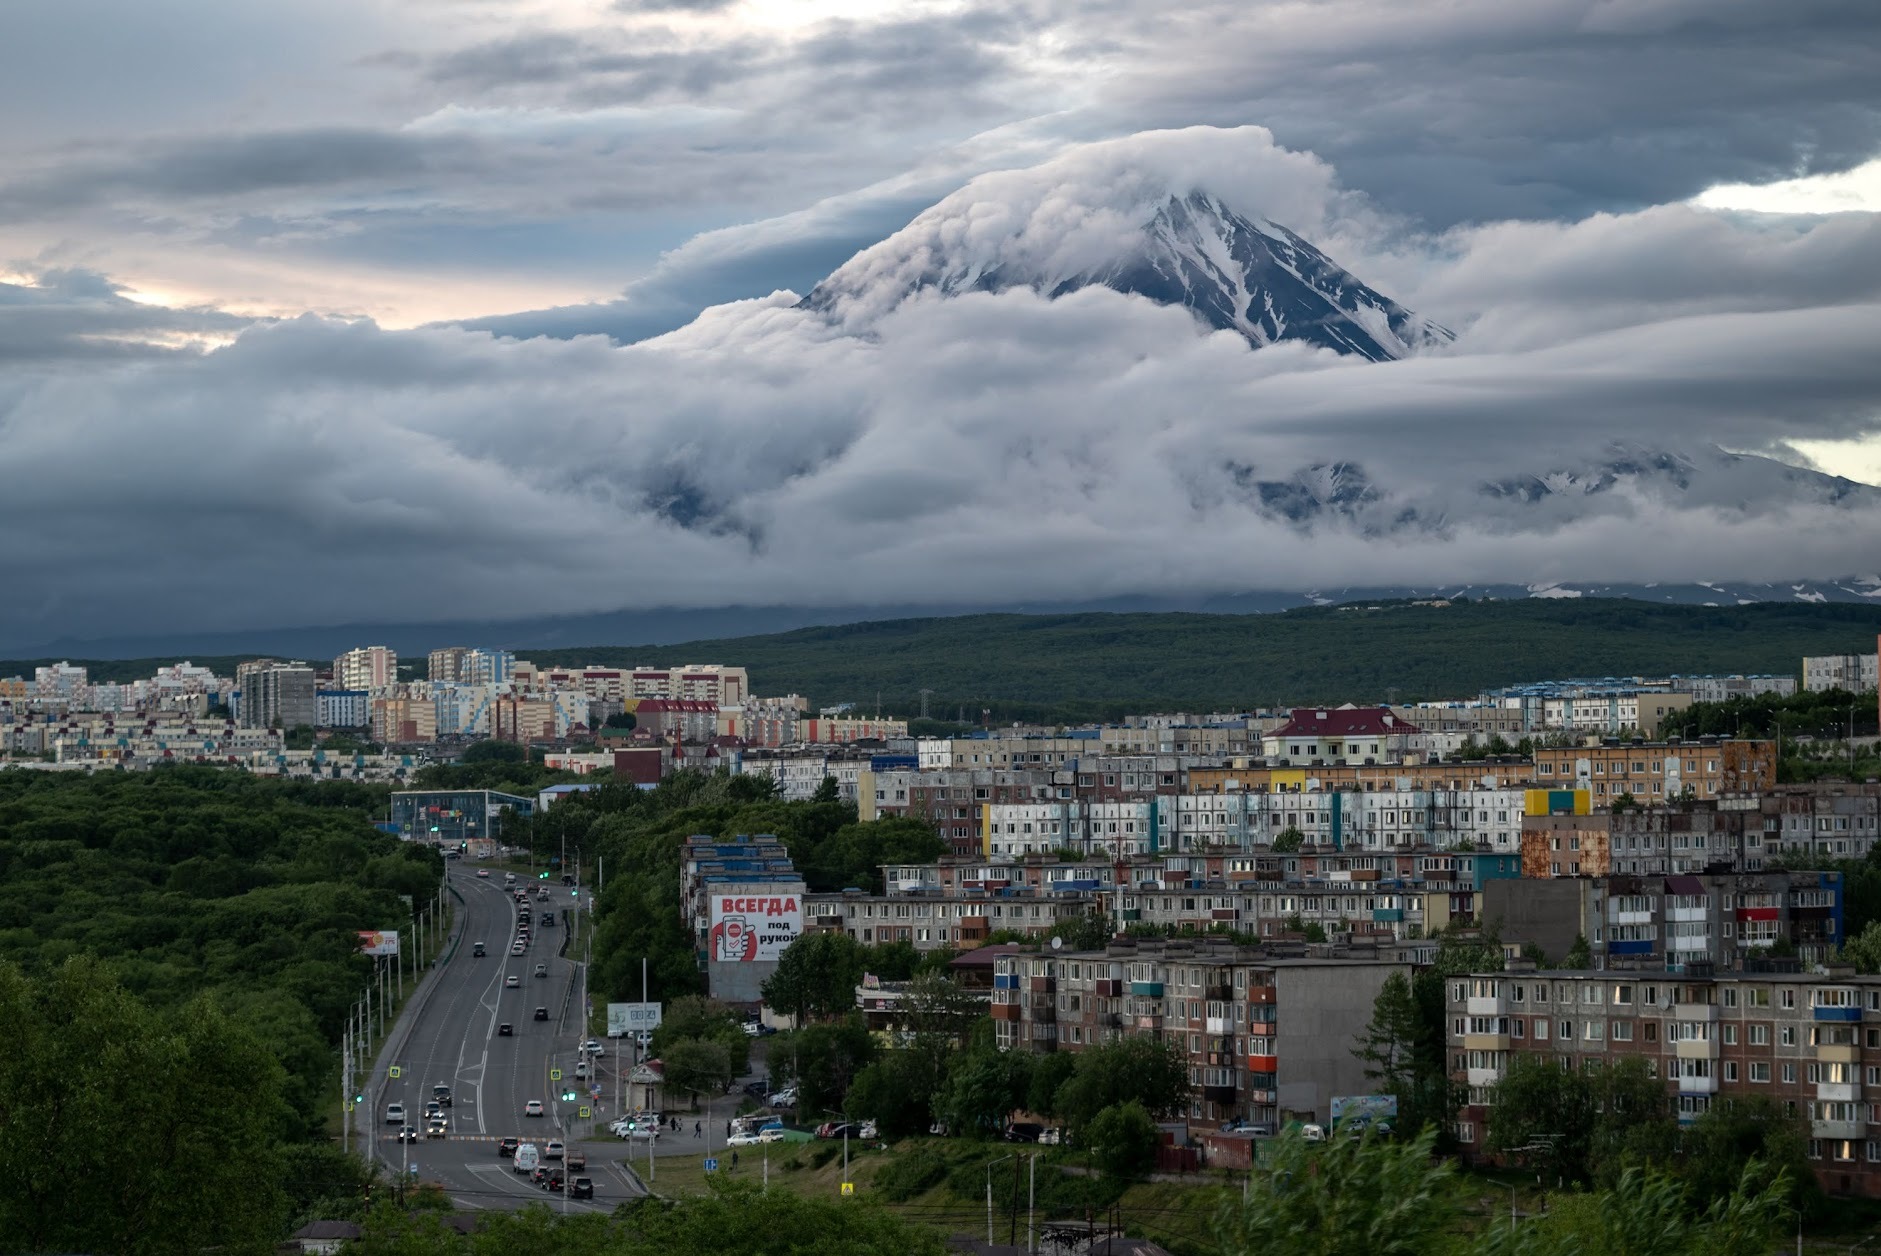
{"type": "Point", "coordinates": [728, 1129]}
{"type": "Point", "coordinates": [734, 1159]}
{"type": "Point", "coordinates": [698, 1129]}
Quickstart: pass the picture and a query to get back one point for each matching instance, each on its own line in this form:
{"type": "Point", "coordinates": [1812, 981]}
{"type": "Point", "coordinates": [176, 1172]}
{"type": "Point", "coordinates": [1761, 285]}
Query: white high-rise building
{"type": "Point", "coordinates": [368, 667]}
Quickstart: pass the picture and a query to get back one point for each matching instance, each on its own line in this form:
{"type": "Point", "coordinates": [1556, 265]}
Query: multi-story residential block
{"type": "Point", "coordinates": [1724, 688]}
{"type": "Point", "coordinates": [1726, 919]}
{"type": "Point", "coordinates": [1344, 735]}
{"type": "Point", "coordinates": [470, 665]}
{"type": "Point", "coordinates": [276, 695]}
{"type": "Point", "coordinates": [1808, 1041]}
{"type": "Point", "coordinates": [1657, 771]}
{"type": "Point", "coordinates": [938, 920]}
{"type": "Point", "coordinates": [1266, 1037]}
{"type": "Point", "coordinates": [342, 708]}
{"type": "Point", "coordinates": [743, 904]}
{"type": "Point", "coordinates": [1855, 673]}
{"type": "Point", "coordinates": [368, 667]}
{"type": "Point", "coordinates": [799, 770]}
{"type": "Point", "coordinates": [449, 816]}
{"type": "Point", "coordinates": [405, 718]}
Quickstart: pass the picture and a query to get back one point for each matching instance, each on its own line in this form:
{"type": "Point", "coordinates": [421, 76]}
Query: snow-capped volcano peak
{"type": "Point", "coordinates": [1136, 233]}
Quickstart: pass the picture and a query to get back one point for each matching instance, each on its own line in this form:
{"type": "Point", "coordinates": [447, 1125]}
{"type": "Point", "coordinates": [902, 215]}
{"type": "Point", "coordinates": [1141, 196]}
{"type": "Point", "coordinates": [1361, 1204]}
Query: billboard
{"type": "Point", "coordinates": [1364, 1107]}
{"type": "Point", "coordinates": [632, 1018]}
{"type": "Point", "coordinates": [378, 942]}
{"type": "Point", "coordinates": [754, 924]}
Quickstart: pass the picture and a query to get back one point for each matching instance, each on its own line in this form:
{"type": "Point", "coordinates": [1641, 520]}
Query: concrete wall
{"type": "Point", "coordinates": [1323, 1008]}
{"type": "Point", "coordinates": [1550, 913]}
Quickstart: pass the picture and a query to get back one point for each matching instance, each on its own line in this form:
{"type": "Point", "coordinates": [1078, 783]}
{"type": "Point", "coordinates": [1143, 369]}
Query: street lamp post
{"type": "Point", "coordinates": [989, 1194]}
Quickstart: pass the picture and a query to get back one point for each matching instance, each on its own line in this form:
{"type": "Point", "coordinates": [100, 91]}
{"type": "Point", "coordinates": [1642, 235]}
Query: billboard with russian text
{"type": "Point", "coordinates": [379, 942]}
{"type": "Point", "coordinates": [754, 923]}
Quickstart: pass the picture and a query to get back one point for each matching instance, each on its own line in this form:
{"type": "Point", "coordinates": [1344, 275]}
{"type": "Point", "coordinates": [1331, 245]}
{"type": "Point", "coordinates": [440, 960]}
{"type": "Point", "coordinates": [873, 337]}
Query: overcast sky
{"type": "Point", "coordinates": [252, 257]}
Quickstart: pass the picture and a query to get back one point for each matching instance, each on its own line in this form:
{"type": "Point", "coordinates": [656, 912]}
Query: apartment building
{"type": "Point", "coordinates": [1344, 735]}
{"type": "Point", "coordinates": [938, 920]}
{"type": "Point", "coordinates": [1655, 771]}
{"type": "Point", "coordinates": [743, 903]}
{"type": "Point", "coordinates": [276, 695]}
{"type": "Point", "coordinates": [799, 770]}
{"type": "Point", "coordinates": [1727, 919]}
{"type": "Point", "coordinates": [1810, 1041]}
{"type": "Point", "coordinates": [404, 718]}
{"type": "Point", "coordinates": [368, 667]}
{"type": "Point", "coordinates": [1267, 1037]}
{"type": "Point", "coordinates": [1738, 833]}
{"type": "Point", "coordinates": [342, 708]}
{"type": "Point", "coordinates": [1855, 673]}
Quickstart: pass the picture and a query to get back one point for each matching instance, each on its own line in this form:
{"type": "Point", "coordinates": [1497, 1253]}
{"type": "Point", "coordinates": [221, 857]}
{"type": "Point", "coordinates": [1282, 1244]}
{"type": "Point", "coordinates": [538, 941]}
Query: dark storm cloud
{"type": "Point", "coordinates": [227, 166]}
{"type": "Point", "coordinates": [1021, 448]}
{"type": "Point", "coordinates": [71, 313]}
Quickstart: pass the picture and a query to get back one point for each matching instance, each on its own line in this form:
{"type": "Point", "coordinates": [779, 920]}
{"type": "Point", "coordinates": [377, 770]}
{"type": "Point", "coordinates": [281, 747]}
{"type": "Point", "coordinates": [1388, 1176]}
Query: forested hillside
{"type": "Point", "coordinates": [178, 953]}
{"type": "Point", "coordinates": [1081, 666]}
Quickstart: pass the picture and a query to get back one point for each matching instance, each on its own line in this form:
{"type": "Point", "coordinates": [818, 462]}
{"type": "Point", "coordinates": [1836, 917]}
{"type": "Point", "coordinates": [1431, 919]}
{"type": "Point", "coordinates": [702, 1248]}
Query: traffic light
{"type": "Point", "coordinates": [360, 1097]}
{"type": "Point", "coordinates": [568, 1095]}
{"type": "Point", "coordinates": [574, 891]}
{"type": "Point", "coordinates": [542, 876]}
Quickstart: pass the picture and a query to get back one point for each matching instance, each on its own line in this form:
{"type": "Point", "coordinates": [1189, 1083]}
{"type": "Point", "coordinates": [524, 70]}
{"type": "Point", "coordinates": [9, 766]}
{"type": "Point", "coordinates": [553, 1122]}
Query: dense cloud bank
{"type": "Point", "coordinates": [977, 448]}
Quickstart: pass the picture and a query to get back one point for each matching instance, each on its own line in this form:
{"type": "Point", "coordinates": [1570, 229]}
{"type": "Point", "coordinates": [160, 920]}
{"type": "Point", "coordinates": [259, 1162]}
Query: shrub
{"type": "Point", "coordinates": [823, 1155]}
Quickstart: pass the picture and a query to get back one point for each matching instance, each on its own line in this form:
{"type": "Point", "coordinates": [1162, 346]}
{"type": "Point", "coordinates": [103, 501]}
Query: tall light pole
{"type": "Point", "coordinates": [989, 1194]}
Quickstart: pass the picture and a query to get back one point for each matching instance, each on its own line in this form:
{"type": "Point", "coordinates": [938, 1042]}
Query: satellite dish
{"type": "Point", "coordinates": [1057, 942]}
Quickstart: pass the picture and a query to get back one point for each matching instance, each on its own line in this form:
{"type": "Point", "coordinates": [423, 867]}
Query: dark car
{"type": "Point", "coordinates": [757, 1090]}
{"type": "Point", "coordinates": [508, 1146]}
{"type": "Point", "coordinates": [576, 1160]}
{"type": "Point", "coordinates": [540, 1175]}
{"type": "Point", "coordinates": [548, 921]}
{"type": "Point", "coordinates": [476, 950]}
{"type": "Point", "coordinates": [408, 1134]}
{"type": "Point", "coordinates": [581, 1188]}
{"type": "Point", "coordinates": [542, 1013]}
{"type": "Point", "coordinates": [442, 1094]}
{"type": "Point", "coordinates": [504, 1030]}
{"type": "Point", "coordinates": [553, 1182]}
{"type": "Point", "coordinates": [1024, 1132]}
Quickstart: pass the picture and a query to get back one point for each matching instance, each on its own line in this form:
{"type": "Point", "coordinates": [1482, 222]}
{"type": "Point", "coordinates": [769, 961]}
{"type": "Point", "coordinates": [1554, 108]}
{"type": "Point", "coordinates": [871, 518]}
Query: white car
{"type": "Point", "coordinates": [771, 1135]}
{"type": "Point", "coordinates": [553, 1151]}
{"type": "Point", "coordinates": [395, 1114]}
{"type": "Point", "coordinates": [511, 982]}
{"type": "Point", "coordinates": [484, 873]}
{"type": "Point", "coordinates": [868, 1130]}
{"type": "Point", "coordinates": [593, 1046]}
{"type": "Point", "coordinates": [533, 1108]}
{"type": "Point", "coordinates": [743, 1140]}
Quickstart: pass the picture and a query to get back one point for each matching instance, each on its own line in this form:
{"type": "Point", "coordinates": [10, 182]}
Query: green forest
{"type": "Point", "coordinates": [1105, 665]}
{"type": "Point", "coordinates": [178, 954]}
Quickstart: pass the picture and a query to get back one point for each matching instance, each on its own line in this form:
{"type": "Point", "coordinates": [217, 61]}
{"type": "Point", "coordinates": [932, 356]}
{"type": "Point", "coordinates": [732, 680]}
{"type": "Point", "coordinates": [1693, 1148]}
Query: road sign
{"type": "Point", "coordinates": [555, 1074]}
{"type": "Point", "coordinates": [585, 1110]}
{"type": "Point", "coordinates": [711, 1164]}
{"type": "Point", "coordinates": [392, 1072]}
{"type": "Point", "coordinates": [849, 1188]}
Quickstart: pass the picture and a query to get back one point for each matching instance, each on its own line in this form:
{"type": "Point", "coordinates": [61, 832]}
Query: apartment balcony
{"type": "Point", "coordinates": [1107, 988]}
{"type": "Point", "coordinates": [1838, 1129]}
{"type": "Point", "coordinates": [1262, 994]}
{"type": "Point", "coordinates": [1042, 985]}
{"type": "Point", "coordinates": [1147, 989]}
{"type": "Point", "coordinates": [1108, 1020]}
{"type": "Point", "coordinates": [1004, 1011]}
{"type": "Point", "coordinates": [1263, 1097]}
{"type": "Point", "coordinates": [1263, 1064]}
{"type": "Point", "coordinates": [1149, 1022]}
{"type": "Point", "coordinates": [1474, 1006]}
{"type": "Point", "coordinates": [1482, 1076]}
{"type": "Point", "coordinates": [1222, 1095]}
{"type": "Point", "coordinates": [1703, 1013]}
{"type": "Point", "coordinates": [1695, 1085]}
{"type": "Point", "coordinates": [1838, 1092]}
{"type": "Point", "coordinates": [1220, 1025]}
{"type": "Point", "coordinates": [1843, 1015]}
{"type": "Point", "coordinates": [1485, 1042]}
{"type": "Point", "coordinates": [1699, 1049]}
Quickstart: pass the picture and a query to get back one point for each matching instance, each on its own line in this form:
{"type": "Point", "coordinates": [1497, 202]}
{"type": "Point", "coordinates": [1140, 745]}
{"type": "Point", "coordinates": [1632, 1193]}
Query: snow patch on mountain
{"type": "Point", "coordinates": [1135, 218]}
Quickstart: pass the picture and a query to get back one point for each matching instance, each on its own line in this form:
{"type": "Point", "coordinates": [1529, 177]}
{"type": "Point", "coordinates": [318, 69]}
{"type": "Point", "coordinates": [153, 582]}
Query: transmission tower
{"type": "Point", "coordinates": [925, 693]}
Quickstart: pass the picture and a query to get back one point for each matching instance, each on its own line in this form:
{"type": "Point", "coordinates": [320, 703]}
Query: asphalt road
{"type": "Point", "coordinates": [453, 1039]}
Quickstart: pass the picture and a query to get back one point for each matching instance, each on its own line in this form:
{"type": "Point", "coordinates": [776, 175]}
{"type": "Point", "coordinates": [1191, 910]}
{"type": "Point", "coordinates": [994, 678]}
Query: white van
{"type": "Point", "coordinates": [509, 878]}
{"type": "Point", "coordinates": [527, 1158]}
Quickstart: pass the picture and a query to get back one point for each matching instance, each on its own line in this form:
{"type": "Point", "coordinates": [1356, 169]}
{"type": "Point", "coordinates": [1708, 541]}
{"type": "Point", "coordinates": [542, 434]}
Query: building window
{"type": "Point", "coordinates": [1759, 1071]}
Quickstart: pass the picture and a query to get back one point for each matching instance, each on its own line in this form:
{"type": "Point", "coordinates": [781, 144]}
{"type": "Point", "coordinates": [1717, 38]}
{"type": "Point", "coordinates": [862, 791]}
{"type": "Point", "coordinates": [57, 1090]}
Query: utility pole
{"type": "Point", "coordinates": [1031, 1208]}
{"type": "Point", "coordinates": [1012, 1234]}
{"type": "Point", "coordinates": [925, 695]}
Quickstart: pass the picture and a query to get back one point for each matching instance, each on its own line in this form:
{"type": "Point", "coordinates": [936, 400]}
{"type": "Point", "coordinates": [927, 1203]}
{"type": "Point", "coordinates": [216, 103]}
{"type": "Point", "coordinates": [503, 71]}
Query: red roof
{"type": "Point", "coordinates": [1344, 722]}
